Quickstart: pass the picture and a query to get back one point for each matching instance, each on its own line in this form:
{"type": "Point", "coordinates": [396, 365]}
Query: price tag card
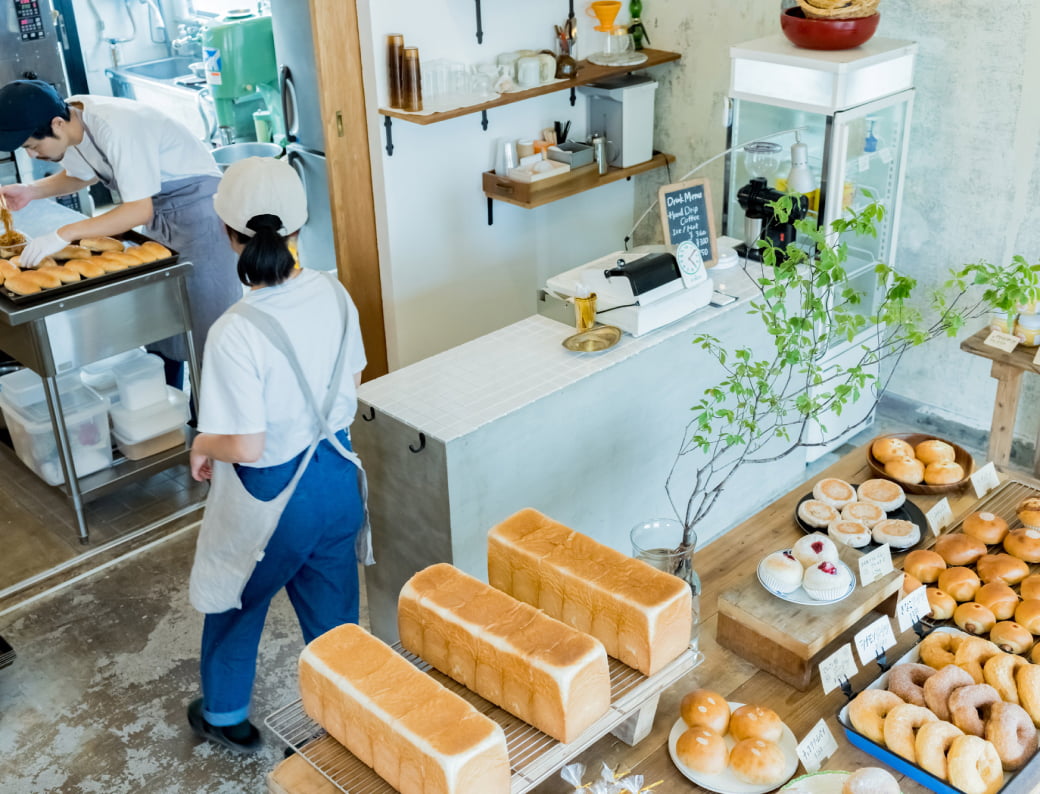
{"type": "Point", "coordinates": [939, 516]}
{"type": "Point", "coordinates": [875, 639]}
{"type": "Point", "coordinates": [1002, 341]}
{"type": "Point", "coordinates": [839, 666]}
{"type": "Point", "coordinates": [874, 565]}
{"type": "Point", "coordinates": [912, 608]}
{"type": "Point", "coordinates": [817, 747]}
{"type": "Point", "coordinates": [985, 480]}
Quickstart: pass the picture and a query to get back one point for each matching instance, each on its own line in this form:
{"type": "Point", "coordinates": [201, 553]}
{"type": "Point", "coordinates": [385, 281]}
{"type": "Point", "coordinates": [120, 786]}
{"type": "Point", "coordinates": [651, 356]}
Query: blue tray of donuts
{"type": "Point", "coordinates": [1025, 780]}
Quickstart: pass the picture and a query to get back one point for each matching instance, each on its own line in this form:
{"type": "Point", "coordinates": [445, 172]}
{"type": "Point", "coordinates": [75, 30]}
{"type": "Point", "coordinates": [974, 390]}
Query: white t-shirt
{"type": "Point", "coordinates": [249, 387]}
{"type": "Point", "coordinates": [144, 147]}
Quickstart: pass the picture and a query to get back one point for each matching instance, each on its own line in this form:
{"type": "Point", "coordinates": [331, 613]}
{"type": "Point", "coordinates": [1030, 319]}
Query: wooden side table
{"type": "Point", "coordinates": [1007, 368]}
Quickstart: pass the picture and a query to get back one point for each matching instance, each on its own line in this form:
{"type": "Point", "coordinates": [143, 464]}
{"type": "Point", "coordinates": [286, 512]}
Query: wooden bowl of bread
{"type": "Point", "coordinates": [921, 463]}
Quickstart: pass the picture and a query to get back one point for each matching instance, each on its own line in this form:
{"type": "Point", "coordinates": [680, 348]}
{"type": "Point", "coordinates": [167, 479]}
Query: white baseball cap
{"type": "Point", "coordinates": [261, 186]}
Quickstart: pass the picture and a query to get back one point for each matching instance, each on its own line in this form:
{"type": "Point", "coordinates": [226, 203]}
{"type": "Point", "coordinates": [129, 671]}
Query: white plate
{"type": "Point", "coordinates": [725, 782]}
{"type": "Point", "coordinates": [632, 59]}
{"type": "Point", "coordinates": [799, 596]}
{"type": "Point", "coordinates": [826, 782]}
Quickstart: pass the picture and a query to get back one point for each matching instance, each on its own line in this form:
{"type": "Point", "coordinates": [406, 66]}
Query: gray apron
{"type": "Point", "coordinates": [183, 219]}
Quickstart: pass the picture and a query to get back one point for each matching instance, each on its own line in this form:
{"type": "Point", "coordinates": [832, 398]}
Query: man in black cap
{"type": "Point", "coordinates": [163, 176]}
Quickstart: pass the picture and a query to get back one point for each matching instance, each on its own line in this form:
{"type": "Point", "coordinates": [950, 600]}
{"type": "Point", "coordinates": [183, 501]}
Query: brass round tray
{"type": "Point", "coordinates": [593, 340]}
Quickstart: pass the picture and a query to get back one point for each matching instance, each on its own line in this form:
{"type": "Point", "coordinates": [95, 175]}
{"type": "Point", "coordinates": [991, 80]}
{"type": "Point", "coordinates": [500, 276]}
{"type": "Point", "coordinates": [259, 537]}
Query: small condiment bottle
{"type": "Point", "coordinates": [1028, 329]}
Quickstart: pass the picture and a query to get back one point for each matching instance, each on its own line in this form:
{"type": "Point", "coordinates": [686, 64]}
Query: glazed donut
{"type": "Point", "coordinates": [925, 564]}
{"type": "Point", "coordinates": [1028, 679]}
{"type": "Point", "coordinates": [907, 680]}
{"type": "Point", "coordinates": [1000, 599]}
{"type": "Point", "coordinates": [974, 766]}
{"type": "Point", "coordinates": [1012, 733]}
{"type": "Point", "coordinates": [959, 549]}
{"type": "Point", "coordinates": [868, 710]}
{"type": "Point", "coordinates": [1003, 568]}
{"type": "Point", "coordinates": [987, 527]}
{"type": "Point", "coordinates": [1027, 614]}
{"type": "Point", "coordinates": [938, 649]}
{"type": "Point", "coordinates": [1029, 587]}
{"type": "Point", "coordinates": [938, 688]}
{"type": "Point", "coordinates": [999, 672]}
{"type": "Point", "coordinates": [967, 705]}
{"type": "Point", "coordinates": [900, 726]}
{"type": "Point", "coordinates": [932, 744]}
{"type": "Point", "coordinates": [1011, 637]}
{"type": "Point", "coordinates": [1023, 543]}
{"type": "Point", "coordinates": [942, 604]}
{"type": "Point", "coordinates": [960, 582]}
{"type": "Point", "coordinates": [974, 618]}
{"type": "Point", "coordinates": [973, 653]}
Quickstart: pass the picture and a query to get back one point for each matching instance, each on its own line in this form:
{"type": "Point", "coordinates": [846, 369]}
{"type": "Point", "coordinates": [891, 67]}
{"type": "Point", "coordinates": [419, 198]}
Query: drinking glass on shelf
{"type": "Point", "coordinates": [619, 45]}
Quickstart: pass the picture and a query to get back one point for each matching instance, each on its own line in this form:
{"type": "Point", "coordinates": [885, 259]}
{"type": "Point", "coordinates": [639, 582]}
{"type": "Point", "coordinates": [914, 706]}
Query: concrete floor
{"type": "Point", "coordinates": [95, 701]}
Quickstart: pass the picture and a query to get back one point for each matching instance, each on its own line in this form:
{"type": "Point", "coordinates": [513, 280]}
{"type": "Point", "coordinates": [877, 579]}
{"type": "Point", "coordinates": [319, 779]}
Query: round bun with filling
{"type": "Point", "coordinates": [814, 548]}
{"type": "Point", "coordinates": [1029, 511]}
{"type": "Point", "coordinates": [987, 527]}
{"type": "Point", "coordinates": [960, 582]}
{"type": "Point", "coordinates": [943, 604]}
{"type": "Point", "coordinates": [702, 750]}
{"type": "Point", "coordinates": [1000, 599]}
{"type": "Point", "coordinates": [884, 493]}
{"type": "Point", "coordinates": [943, 472]}
{"type": "Point", "coordinates": [1023, 543]}
{"type": "Point", "coordinates": [758, 762]}
{"type": "Point", "coordinates": [755, 722]}
{"type": "Point", "coordinates": [705, 708]}
{"type": "Point", "coordinates": [781, 572]}
{"type": "Point", "coordinates": [864, 512]}
{"type": "Point", "coordinates": [1029, 587]}
{"type": "Point", "coordinates": [817, 514]}
{"type": "Point", "coordinates": [959, 549]}
{"type": "Point", "coordinates": [885, 449]}
{"type": "Point", "coordinates": [908, 470]}
{"type": "Point", "coordinates": [934, 451]}
{"type": "Point", "coordinates": [974, 618]}
{"type": "Point", "coordinates": [897, 533]}
{"type": "Point", "coordinates": [924, 564]}
{"type": "Point", "coordinates": [870, 780]}
{"type": "Point", "coordinates": [849, 533]}
{"type": "Point", "coordinates": [837, 493]}
{"type": "Point", "coordinates": [1003, 568]}
{"type": "Point", "coordinates": [1011, 637]}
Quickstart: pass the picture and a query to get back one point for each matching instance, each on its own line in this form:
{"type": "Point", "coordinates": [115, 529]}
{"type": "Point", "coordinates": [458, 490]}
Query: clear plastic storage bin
{"type": "Point", "coordinates": [101, 376]}
{"type": "Point", "coordinates": [142, 424]}
{"type": "Point", "coordinates": [149, 446]}
{"type": "Point", "coordinates": [86, 419]}
{"type": "Point", "coordinates": [141, 382]}
{"type": "Point", "coordinates": [24, 387]}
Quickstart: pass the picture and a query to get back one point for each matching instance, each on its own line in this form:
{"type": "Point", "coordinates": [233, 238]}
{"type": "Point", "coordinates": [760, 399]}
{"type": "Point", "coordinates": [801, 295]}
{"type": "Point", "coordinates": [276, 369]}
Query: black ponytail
{"type": "Point", "coordinates": [266, 259]}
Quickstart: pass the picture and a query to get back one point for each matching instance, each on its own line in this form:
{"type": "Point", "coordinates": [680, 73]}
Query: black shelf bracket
{"type": "Point", "coordinates": [491, 211]}
{"type": "Point", "coordinates": [389, 137]}
{"type": "Point", "coordinates": [480, 27]}
{"type": "Point", "coordinates": [574, 96]}
{"type": "Point", "coordinates": [422, 444]}
{"type": "Point", "coordinates": [483, 120]}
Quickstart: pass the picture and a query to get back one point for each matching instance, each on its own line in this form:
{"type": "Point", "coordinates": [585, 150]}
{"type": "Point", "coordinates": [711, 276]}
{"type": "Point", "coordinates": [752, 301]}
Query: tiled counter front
{"type": "Point", "coordinates": [515, 420]}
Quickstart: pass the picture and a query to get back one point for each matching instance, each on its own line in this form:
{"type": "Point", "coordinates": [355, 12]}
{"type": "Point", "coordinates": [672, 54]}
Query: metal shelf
{"type": "Point", "coordinates": [533, 756]}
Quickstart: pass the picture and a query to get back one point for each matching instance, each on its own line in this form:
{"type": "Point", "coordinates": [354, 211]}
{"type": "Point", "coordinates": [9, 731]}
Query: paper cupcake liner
{"type": "Point", "coordinates": [825, 593]}
{"type": "Point", "coordinates": [775, 584]}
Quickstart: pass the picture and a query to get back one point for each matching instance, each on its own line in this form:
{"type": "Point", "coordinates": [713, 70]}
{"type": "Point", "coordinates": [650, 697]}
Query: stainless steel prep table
{"type": "Point", "coordinates": [55, 336]}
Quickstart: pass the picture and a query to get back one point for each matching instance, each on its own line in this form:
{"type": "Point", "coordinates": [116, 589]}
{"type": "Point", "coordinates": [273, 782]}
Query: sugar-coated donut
{"type": "Point", "coordinates": [1028, 679]}
{"type": "Point", "coordinates": [932, 744]}
{"type": "Point", "coordinates": [924, 564]}
{"type": "Point", "coordinates": [942, 604]}
{"type": "Point", "coordinates": [870, 780]}
{"type": "Point", "coordinates": [987, 527]}
{"type": "Point", "coordinates": [758, 762]}
{"type": "Point", "coordinates": [901, 725]}
{"type": "Point", "coordinates": [1029, 511]}
{"type": "Point", "coordinates": [1023, 543]}
{"type": "Point", "coordinates": [939, 648]}
{"type": "Point", "coordinates": [703, 750]}
{"type": "Point", "coordinates": [999, 672]}
{"type": "Point", "coordinates": [960, 582]}
{"type": "Point", "coordinates": [934, 451]}
{"type": "Point", "coordinates": [974, 766]}
{"type": "Point", "coordinates": [973, 653]}
{"type": "Point", "coordinates": [974, 618]}
{"type": "Point", "coordinates": [704, 708]}
{"type": "Point", "coordinates": [967, 704]}
{"type": "Point", "coordinates": [834, 492]}
{"type": "Point", "coordinates": [1012, 733]}
{"type": "Point", "coordinates": [1029, 587]}
{"type": "Point", "coordinates": [868, 710]}
{"type": "Point", "coordinates": [1027, 614]}
{"type": "Point", "coordinates": [959, 549]}
{"type": "Point", "coordinates": [908, 470]}
{"type": "Point", "coordinates": [1000, 599]}
{"type": "Point", "coordinates": [1003, 568]}
{"type": "Point", "coordinates": [937, 689]}
{"type": "Point", "coordinates": [907, 680]}
{"type": "Point", "coordinates": [755, 722]}
{"type": "Point", "coordinates": [885, 494]}
{"type": "Point", "coordinates": [885, 449]}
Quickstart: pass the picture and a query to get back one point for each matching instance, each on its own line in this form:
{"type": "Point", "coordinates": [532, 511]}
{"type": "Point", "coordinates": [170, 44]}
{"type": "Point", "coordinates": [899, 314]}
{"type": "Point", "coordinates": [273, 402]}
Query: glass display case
{"type": "Point", "coordinates": [829, 124]}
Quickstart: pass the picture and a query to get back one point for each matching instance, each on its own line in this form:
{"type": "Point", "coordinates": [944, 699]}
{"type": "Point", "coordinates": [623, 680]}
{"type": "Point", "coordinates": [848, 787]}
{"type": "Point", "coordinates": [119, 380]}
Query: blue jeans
{"type": "Point", "coordinates": [310, 554]}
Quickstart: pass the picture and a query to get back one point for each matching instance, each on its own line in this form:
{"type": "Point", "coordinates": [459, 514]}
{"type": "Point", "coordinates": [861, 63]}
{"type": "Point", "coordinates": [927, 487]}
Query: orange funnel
{"type": "Point", "coordinates": [606, 12]}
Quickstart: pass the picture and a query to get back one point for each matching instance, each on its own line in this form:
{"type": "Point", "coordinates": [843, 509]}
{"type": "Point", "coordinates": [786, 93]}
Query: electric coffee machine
{"type": "Point", "coordinates": [761, 221]}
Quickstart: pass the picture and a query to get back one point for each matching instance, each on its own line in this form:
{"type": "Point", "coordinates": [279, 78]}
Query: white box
{"type": "Point", "coordinates": [24, 387]}
{"type": "Point", "coordinates": [141, 381]}
{"type": "Point", "coordinates": [136, 425]}
{"type": "Point", "coordinates": [149, 446]}
{"type": "Point", "coordinates": [86, 420]}
{"type": "Point", "coordinates": [101, 375]}
{"type": "Point", "coordinates": [622, 108]}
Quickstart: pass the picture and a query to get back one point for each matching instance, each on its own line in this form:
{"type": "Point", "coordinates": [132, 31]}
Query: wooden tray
{"type": "Point", "coordinates": [49, 293]}
{"type": "Point", "coordinates": [961, 456]}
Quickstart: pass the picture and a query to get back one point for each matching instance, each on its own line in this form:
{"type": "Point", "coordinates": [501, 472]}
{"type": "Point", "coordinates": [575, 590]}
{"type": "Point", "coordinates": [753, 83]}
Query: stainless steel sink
{"type": "Point", "coordinates": [161, 69]}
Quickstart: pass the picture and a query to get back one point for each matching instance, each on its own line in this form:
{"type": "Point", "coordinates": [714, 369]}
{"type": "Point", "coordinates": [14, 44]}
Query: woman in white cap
{"type": "Point", "coordinates": [278, 392]}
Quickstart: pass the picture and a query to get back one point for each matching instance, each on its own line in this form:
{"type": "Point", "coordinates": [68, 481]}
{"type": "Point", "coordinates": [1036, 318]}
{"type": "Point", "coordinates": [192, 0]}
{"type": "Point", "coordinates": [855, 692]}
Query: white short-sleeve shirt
{"type": "Point", "coordinates": [143, 147]}
{"type": "Point", "coordinates": [249, 387]}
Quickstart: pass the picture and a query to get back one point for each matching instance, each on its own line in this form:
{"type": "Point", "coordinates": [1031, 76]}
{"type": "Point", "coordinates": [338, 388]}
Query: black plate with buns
{"type": "Point", "coordinates": [907, 512]}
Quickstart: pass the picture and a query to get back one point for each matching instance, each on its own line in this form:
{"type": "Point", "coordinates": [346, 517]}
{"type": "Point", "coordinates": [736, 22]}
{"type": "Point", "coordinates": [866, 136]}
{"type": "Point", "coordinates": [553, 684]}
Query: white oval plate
{"type": "Point", "coordinates": [799, 596]}
{"type": "Point", "coordinates": [725, 782]}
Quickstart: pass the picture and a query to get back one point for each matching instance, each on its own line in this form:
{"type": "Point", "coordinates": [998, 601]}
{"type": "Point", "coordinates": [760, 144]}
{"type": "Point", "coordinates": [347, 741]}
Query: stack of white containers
{"type": "Point", "coordinates": [149, 416]}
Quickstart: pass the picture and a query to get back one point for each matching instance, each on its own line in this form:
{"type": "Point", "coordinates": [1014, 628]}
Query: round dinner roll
{"type": "Point", "coordinates": [908, 470]}
{"type": "Point", "coordinates": [1027, 613]}
{"type": "Point", "coordinates": [705, 708]}
{"type": "Point", "coordinates": [702, 750]}
{"type": "Point", "coordinates": [1029, 587]}
{"type": "Point", "coordinates": [987, 527]}
{"type": "Point", "coordinates": [1029, 511]}
{"type": "Point", "coordinates": [758, 762]}
{"type": "Point", "coordinates": [884, 493]}
{"type": "Point", "coordinates": [959, 549]}
{"type": "Point", "coordinates": [974, 618]}
{"type": "Point", "coordinates": [755, 722]}
{"type": "Point", "coordinates": [943, 473]}
{"type": "Point", "coordinates": [934, 451]}
{"type": "Point", "coordinates": [1003, 568]}
{"type": "Point", "coordinates": [942, 604]}
{"type": "Point", "coordinates": [924, 564]}
{"type": "Point", "coordinates": [1023, 543]}
{"type": "Point", "coordinates": [886, 449]}
{"type": "Point", "coordinates": [1011, 637]}
{"type": "Point", "coordinates": [870, 780]}
{"type": "Point", "coordinates": [960, 582]}
{"type": "Point", "coordinates": [1000, 599]}
{"type": "Point", "coordinates": [834, 492]}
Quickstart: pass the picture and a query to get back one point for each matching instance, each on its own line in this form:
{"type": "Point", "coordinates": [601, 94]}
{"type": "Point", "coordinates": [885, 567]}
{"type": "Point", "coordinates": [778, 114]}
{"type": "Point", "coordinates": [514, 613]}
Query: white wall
{"type": "Point", "coordinates": [100, 20]}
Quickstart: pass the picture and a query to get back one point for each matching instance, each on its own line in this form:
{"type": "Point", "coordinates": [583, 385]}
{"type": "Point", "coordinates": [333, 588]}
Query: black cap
{"type": "Point", "coordinates": [25, 106]}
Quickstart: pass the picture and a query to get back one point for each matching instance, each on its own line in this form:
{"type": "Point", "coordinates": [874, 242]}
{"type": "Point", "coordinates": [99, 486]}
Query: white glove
{"type": "Point", "coordinates": [40, 247]}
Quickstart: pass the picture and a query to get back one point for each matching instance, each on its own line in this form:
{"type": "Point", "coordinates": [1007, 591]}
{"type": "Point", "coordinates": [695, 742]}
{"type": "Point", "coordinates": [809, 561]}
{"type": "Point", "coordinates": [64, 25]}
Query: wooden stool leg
{"type": "Point", "coordinates": [1001, 433]}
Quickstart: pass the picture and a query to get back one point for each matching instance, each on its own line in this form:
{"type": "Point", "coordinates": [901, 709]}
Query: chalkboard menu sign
{"type": "Point", "coordinates": [686, 216]}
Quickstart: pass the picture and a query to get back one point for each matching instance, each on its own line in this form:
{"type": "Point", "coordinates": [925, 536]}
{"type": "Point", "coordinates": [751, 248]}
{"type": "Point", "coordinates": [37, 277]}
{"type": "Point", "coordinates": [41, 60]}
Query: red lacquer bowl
{"type": "Point", "coordinates": [827, 34]}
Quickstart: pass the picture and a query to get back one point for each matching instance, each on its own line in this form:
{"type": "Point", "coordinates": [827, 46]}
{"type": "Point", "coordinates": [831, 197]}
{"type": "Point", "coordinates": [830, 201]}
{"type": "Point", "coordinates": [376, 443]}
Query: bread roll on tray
{"type": "Point", "coordinates": [416, 734]}
{"type": "Point", "coordinates": [537, 668]}
{"type": "Point", "coordinates": [641, 615]}
{"type": "Point", "coordinates": [101, 244]}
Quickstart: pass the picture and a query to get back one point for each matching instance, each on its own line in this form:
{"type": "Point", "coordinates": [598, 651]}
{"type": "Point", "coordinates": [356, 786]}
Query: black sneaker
{"type": "Point", "coordinates": [241, 738]}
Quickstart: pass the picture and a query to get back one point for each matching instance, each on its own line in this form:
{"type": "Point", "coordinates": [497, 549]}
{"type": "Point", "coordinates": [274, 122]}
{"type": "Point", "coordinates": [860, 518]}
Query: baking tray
{"type": "Point", "coordinates": [1018, 782]}
{"type": "Point", "coordinates": [50, 293]}
{"type": "Point", "coordinates": [533, 755]}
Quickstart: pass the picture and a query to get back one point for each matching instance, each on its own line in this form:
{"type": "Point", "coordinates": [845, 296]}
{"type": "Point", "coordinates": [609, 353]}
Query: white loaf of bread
{"type": "Point", "coordinates": [544, 672]}
{"type": "Point", "coordinates": [417, 735]}
{"type": "Point", "coordinates": [641, 615]}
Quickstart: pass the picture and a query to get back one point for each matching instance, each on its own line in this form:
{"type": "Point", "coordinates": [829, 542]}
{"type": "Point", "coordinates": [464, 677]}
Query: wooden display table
{"type": "Point", "coordinates": [1007, 368]}
{"type": "Point", "coordinates": [723, 565]}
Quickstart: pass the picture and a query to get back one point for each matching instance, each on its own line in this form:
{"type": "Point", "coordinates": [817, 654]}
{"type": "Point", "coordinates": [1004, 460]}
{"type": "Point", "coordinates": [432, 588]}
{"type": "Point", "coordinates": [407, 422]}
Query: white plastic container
{"type": "Point", "coordinates": [134, 426]}
{"type": "Point", "coordinates": [140, 381]}
{"type": "Point", "coordinates": [24, 387]}
{"type": "Point", "coordinates": [150, 446]}
{"type": "Point", "coordinates": [101, 376]}
{"type": "Point", "coordinates": [86, 419]}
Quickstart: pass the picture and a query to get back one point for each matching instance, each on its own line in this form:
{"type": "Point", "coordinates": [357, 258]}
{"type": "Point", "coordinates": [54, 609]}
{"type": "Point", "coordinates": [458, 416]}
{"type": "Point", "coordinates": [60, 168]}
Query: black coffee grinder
{"type": "Point", "coordinates": [760, 221]}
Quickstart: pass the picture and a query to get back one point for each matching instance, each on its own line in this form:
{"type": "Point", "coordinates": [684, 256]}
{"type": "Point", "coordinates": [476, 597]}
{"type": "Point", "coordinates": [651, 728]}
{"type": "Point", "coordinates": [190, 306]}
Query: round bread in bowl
{"type": "Point", "coordinates": [961, 457]}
